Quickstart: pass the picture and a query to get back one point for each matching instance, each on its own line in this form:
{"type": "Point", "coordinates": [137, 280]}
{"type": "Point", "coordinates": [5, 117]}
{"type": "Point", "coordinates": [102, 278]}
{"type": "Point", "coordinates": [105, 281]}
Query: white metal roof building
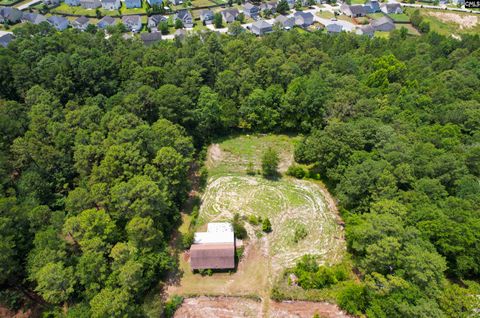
{"type": "Point", "coordinates": [218, 232]}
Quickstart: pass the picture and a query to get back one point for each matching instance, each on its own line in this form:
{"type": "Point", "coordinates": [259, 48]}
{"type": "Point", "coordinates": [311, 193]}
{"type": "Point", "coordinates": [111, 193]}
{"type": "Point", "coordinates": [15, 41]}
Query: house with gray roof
{"type": "Point", "coordinates": [155, 2]}
{"type": "Point", "coordinates": [6, 38]}
{"type": "Point", "coordinates": [354, 11]}
{"type": "Point", "coordinates": [261, 27]}
{"type": "Point", "coordinates": [106, 22]}
{"type": "Point", "coordinates": [130, 4]}
{"type": "Point", "coordinates": [11, 15]}
{"type": "Point", "coordinates": [111, 4]}
{"type": "Point", "coordinates": [251, 10]}
{"type": "Point", "coordinates": [206, 16]}
{"type": "Point", "coordinates": [176, 2]}
{"type": "Point", "coordinates": [81, 23]}
{"type": "Point", "coordinates": [73, 3]}
{"type": "Point", "coordinates": [372, 6]}
{"type": "Point", "coordinates": [51, 3]}
{"type": "Point", "coordinates": [154, 20]}
{"type": "Point", "coordinates": [268, 7]}
{"type": "Point", "coordinates": [390, 8]}
{"type": "Point", "coordinates": [186, 17]}
{"type": "Point", "coordinates": [150, 38]}
{"type": "Point", "coordinates": [334, 28]}
{"type": "Point", "coordinates": [90, 4]}
{"type": "Point", "coordinates": [59, 23]}
{"type": "Point", "coordinates": [132, 22]}
{"type": "Point", "coordinates": [229, 15]}
{"type": "Point", "coordinates": [367, 30]}
{"type": "Point", "coordinates": [33, 18]}
{"type": "Point", "coordinates": [303, 19]}
{"type": "Point", "coordinates": [286, 22]}
{"type": "Point", "coordinates": [383, 24]}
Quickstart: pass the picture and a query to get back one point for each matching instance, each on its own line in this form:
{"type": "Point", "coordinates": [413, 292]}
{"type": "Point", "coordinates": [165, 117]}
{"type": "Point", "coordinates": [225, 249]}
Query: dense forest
{"type": "Point", "coordinates": [99, 137]}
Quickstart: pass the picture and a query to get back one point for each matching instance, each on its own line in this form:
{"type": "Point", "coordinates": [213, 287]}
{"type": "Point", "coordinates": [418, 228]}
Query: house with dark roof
{"type": "Point", "coordinates": [303, 19]}
{"type": "Point", "coordinates": [176, 2]}
{"type": "Point", "coordinates": [155, 2]}
{"type": "Point", "coordinates": [130, 4]}
{"type": "Point", "coordinates": [186, 17]}
{"type": "Point", "coordinates": [33, 18]}
{"type": "Point", "coordinates": [111, 4]}
{"type": "Point", "coordinates": [354, 11]}
{"type": "Point", "coordinates": [132, 22]}
{"type": "Point", "coordinates": [11, 15]}
{"type": "Point", "coordinates": [261, 27]}
{"type": "Point", "coordinates": [51, 3]}
{"type": "Point", "coordinates": [6, 38]}
{"type": "Point", "coordinates": [59, 23]}
{"type": "Point", "coordinates": [286, 22]}
{"type": "Point", "coordinates": [73, 3]}
{"type": "Point", "coordinates": [367, 30]}
{"type": "Point", "coordinates": [390, 8]}
{"type": "Point", "coordinates": [149, 38]}
{"type": "Point", "coordinates": [251, 10]}
{"type": "Point", "coordinates": [81, 23]}
{"type": "Point", "coordinates": [214, 249]}
{"type": "Point", "coordinates": [90, 4]}
{"type": "Point", "coordinates": [106, 22]}
{"type": "Point", "coordinates": [206, 16]}
{"type": "Point", "coordinates": [229, 15]}
{"type": "Point", "coordinates": [154, 20]}
{"type": "Point", "coordinates": [372, 6]}
{"type": "Point", "coordinates": [334, 28]}
{"type": "Point", "coordinates": [383, 24]}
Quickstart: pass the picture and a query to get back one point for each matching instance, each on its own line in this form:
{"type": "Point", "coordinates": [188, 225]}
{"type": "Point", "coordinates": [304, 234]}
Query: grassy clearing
{"type": "Point", "coordinates": [402, 17]}
{"type": "Point", "coordinates": [409, 27]}
{"type": "Point", "coordinates": [448, 23]}
{"type": "Point", "coordinates": [358, 1]}
{"type": "Point", "coordinates": [325, 14]}
{"type": "Point", "coordinates": [64, 8]}
{"type": "Point", "coordinates": [376, 15]}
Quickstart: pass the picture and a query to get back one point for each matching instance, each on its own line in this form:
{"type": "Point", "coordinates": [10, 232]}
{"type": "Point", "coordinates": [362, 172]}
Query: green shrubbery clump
{"type": "Point", "coordinates": [312, 276]}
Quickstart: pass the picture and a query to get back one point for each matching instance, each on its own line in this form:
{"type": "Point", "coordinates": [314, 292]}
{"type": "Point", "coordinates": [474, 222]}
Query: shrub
{"type": "Point", "coordinates": [11, 299]}
{"type": "Point", "coordinates": [297, 171]}
{"type": "Point", "coordinates": [270, 161]}
{"type": "Point", "coordinates": [172, 305]}
{"type": "Point", "coordinates": [300, 233]}
{"type": "Point", "coordinates": [251, 169]}
{"type": "Point", "coordinates": [353, 299]}
{"type": "Point", "coordinates": [238, 228]}
{"type": "Point", "coordinates": [252, 219]}
{"type": "Point", "coordinates": [202, 180]}
{"type": "Point", "coordinates": [187, 240]}
{"type": "Point", "coordinates": [266, 226]}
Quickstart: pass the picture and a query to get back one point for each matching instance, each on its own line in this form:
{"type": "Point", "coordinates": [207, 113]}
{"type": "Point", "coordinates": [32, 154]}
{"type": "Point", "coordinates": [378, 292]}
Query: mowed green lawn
{"type": "Point", "coordinates": [402, 17]}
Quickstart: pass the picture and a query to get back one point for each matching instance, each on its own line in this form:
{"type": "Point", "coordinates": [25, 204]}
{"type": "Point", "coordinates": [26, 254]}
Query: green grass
{"type": "Point", "coordinates": [65, 8]}
{"type": "Point", "coordinates": [358, 2]}
{"type": "Point", "coordinates": [325, 14]}
{"type": "Point", "coordinates": [376, 15]}
{"type": "Point", "coordinates": [402, 17]}
{"type": "Point", "coordinates": [7, 2]}
{"type": "Point", "coordinates": [409, 27]}
{"type": "Point", "coordinates": [382, 34]}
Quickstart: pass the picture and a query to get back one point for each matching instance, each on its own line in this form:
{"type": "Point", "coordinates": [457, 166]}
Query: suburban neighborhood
{"type": "Point", "coordinates": [371, 18]}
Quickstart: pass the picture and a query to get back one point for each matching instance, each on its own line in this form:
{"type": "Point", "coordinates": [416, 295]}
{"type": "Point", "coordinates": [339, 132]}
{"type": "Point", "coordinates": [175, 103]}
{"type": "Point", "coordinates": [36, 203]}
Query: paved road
{"type": "Point", "coordinates": [28, 4]}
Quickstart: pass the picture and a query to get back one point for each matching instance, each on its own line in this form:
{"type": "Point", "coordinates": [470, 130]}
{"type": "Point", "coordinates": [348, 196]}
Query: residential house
{"type": "Point", "coordinates": [354, 11]}
{"type": "Point", "coordinates": [458, 2]}
{"type": "Point", "coordinates": [132, 22]}
{"type": "Point", "coordinates": [130, 4]}
{"type": "Point", "coordinates": [268, 7]}
{"type": "Point", "coordinates": [390, 8]}
{"type": "Point", "coordinates": [73, 3]}
{"type": "Point", "coordinates": [186, 17]}
{"type": "Point", "coordinates": [206, 16]}
{"type": "Point", "coordinates": [176, 2]}
{"type": "Point", "coordinates": [261, 27]}
{"type": "Point", "coordinates": [383, 24]}
{"type": "Point", "coordinates": [214, 249]}
{"type": "Point", "coordinates": [372, 6]}
{"type": "Point", "coordinates": [81, 23]}
{"type": "Point", "coordinates": [59, 23]}
{"type": "Point", "coordinates": [251, 10]}
{"type": "Point", "coordinates": [229, 15]}
{"type": "Point", "coordinates": [51, 3]}
{"type": "Point", "coordinates": [106, 22]}
{"type": "Point", "coordinates": [150, 38]}
{"type": "Point", "coordinates": [155, 2]}
{"type": "Point", "coordinates": [111, 4]}
{"type": "Point", "coordinates": [11, 15]}
{"type": "Point", "coordinates": [33, 18]}
{"type": "Point", "coordinates": [303, 19]}
{"type": "Point", "coordinates": [154, 20]}
{"type": "Point", "coordinates": [367, 30]}
{"type": "Point", "coordinates": [6, 38]}
{"type": "Point", "coordinates": [291, 3]}
{"type": "Point", "coordinates": [90, 4]}
{"type": "Point", "coordinates": [286, 22]}
{"type": "Point", "coordinates": [334, 28]}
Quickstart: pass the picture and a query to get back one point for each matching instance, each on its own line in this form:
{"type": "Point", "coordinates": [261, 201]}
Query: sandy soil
{"type": "Point", "coordinates": [464, 21]}
{"type": "Point", "coordinates": [233, 307]}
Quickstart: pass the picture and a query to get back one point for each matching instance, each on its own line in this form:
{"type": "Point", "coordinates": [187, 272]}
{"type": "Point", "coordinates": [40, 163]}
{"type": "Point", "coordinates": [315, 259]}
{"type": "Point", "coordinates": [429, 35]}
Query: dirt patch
{"type": "Point", "coordinates": [464, 21]}
{"type": "Point", "coordinates": [305, 309]}
{"type": "Point", "coordinates": [234, 307]}
{"type": "Point", "coordinates": [214, 155]}
{"type": "Point", "coordinates": [5, 313]}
